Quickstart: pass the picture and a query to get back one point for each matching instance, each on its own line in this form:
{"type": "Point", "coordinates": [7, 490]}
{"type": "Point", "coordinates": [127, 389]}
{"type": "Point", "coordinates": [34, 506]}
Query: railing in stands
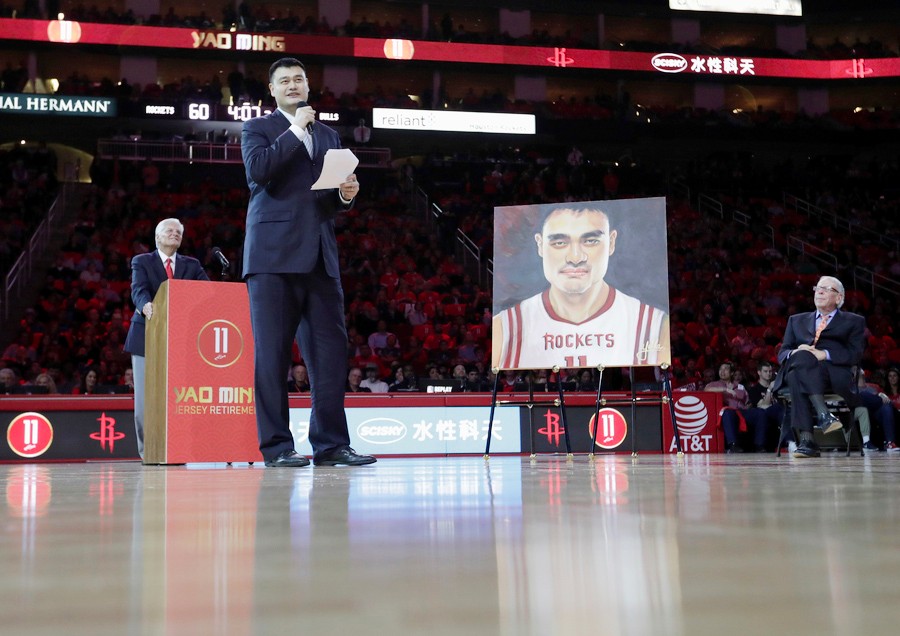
{"type": "Point", "coordinates": [815, 212]}
{"type": "Point", "coordinates": [436, 214]}
{"type": "Point", "coordinates": [373, 157]}
{"type": "Point", "coordinates": [770, 232]}
{"type": "Point", "coordinates": [21, 272]}
{"type": "Point", "coordinates": [681, 190]}
{"type": "Point", "coordinates": [467, 246]}
{"type": "Point", "coordinates": [177, 151]}
{"type": "Point", "coordinates": [863, 277]}
{"type": "Point", "coordinates": [708, 205]}
{"type": "Point", "coordinates": [470, 250]}
{"type": "Point", "coordinates": [416, 199]}
{"type": "Point", "coordinates": [809, 250]}
{"type": "Point", "coordinates": [207, 152]}
{"type": "Point", "coordinates": [840, 222]}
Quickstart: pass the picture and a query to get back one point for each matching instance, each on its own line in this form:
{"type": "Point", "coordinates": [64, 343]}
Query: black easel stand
{"type": "Point", "coordinates": [667, 384]}
{"type": "Point", "coordinates": [560, 402]}
{"type": "Point", "coordinates": [530, 403]}
{"type": "Point", "coordinates": [600, 402]}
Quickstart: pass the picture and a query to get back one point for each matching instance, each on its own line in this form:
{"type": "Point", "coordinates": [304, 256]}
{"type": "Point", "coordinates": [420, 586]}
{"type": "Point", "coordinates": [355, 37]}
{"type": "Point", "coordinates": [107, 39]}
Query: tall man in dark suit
{"type": "Point", "coordinates": [818, 352]}
{"type": "Point", "coordinates": [148, 272]}
{"type": "Point", "coordinates": [293, 278]}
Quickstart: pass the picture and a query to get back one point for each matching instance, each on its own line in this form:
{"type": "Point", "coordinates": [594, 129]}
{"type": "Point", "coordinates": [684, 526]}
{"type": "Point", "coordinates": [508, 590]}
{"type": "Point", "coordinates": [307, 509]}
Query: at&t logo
{"type": "Point", "coordinates": [613, 428]}
{"type": "Point", "coordinates": [691, 417]}
{"type": "Point", "coordinates": [220, 343]}
{"type": "Point", "coordinates": [29, 435]}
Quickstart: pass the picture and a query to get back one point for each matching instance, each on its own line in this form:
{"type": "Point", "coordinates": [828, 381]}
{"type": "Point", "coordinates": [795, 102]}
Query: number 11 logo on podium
{"type": "Point", "coordinates": [220, 343]}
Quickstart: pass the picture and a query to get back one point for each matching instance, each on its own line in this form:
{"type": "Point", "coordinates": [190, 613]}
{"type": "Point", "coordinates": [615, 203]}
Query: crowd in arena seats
{"type": "Point", "coordinates": [731, 284]}
{"type": "Point", "coordinates": [259, 18]}
{"type": "Point", "coordinates": [414, 313]}
{"type": "Point", "coordinates": [77, 329]}
{"type": "Point", "coordinates": [27, 188]}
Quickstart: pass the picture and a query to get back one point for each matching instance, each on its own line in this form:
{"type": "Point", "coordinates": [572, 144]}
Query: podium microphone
{"type": "Point", "coordinates": [309, 126]}
{"type": "Point", "coordinates": [222, 260]}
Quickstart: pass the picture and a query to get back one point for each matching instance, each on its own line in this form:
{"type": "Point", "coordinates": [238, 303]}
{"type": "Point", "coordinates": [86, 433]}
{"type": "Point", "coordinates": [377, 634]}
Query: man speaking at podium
{"type": "Point", "coordinates": [148, 272]}
{"type": "Point", "coordinates": [292, 272]}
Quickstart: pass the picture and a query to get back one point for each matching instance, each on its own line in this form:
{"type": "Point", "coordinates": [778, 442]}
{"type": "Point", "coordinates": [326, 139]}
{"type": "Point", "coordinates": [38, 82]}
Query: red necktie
{"type": "Point", "coordinates": [171, 274]}
{"type": "Point", "coordinates": [823, 322]}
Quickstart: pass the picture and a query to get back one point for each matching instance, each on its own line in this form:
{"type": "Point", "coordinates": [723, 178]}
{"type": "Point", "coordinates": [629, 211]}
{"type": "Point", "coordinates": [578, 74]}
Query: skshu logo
{"type": "Point", "coordinates": [381, 430]}
{"type": "Point", "coordinates": [691, 415]}
{"type": "Point", "coordinates": [669, 63]}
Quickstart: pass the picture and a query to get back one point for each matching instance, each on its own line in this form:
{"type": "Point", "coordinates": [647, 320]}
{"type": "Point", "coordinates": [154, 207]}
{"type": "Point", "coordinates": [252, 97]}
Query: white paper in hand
{"type": "Point", "coordinates": [339, 164]}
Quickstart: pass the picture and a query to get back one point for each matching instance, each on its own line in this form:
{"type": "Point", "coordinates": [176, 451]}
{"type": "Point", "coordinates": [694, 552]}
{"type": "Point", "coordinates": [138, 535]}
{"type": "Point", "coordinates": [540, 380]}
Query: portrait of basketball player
{"type": "Point", "coordinates": [581, 319]}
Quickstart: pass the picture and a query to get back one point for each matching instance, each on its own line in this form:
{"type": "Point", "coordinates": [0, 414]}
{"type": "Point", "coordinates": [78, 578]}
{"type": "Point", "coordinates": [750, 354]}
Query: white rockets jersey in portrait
{"type": "Point", "coordinates": [624, 332]}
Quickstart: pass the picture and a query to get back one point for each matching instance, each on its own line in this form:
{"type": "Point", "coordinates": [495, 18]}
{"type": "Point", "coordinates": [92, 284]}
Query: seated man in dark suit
{"type": "Point", "coordinates": [818, 353]}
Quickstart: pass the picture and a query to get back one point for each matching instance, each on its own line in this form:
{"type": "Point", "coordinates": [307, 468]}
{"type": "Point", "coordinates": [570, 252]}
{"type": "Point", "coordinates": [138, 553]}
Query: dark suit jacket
{"type": "Point", "coordinates": [844, 338]}
{"type": "Point", "coordinates": [286, 221]}
{"type": "Point", "coordinates": [147, 274]}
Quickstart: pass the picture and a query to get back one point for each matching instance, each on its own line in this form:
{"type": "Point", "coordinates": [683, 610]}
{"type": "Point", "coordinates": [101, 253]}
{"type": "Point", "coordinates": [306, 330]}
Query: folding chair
{"type": "Point", "coordinates": [836, 404]}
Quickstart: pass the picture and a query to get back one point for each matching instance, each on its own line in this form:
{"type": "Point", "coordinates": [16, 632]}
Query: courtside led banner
{"type": "Point", "coordinates": [65, 32]}
{"type": "Point", "coordinates": [766, 7]}
{"type": "Point", "coordinates": [453, 121]}
{"type": "Point", "coordinates": [440, 430]}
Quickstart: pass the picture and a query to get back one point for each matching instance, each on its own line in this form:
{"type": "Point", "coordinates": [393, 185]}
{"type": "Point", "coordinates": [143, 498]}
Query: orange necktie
{"type": "Point", "coordinates": [171, 275]}
{"type": "Point", "coordinates": [823, 322]}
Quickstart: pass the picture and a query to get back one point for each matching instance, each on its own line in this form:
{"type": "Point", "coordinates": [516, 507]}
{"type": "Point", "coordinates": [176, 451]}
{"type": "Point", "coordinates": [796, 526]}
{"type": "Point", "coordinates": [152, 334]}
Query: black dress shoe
{"type": "Point", "coordinates": [807, 449]}
{"type": "Point", "coordinates": [288, 459]}
{"type": "Point", "coordinates": [343, 457]}
{"type": "Point", "coordinates": [733, 448]}
{"type": "Point", "coordinates": [828, 423]}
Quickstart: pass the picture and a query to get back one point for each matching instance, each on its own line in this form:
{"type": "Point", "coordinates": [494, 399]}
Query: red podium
{"type": "Point", "coordinates": [199, 396]}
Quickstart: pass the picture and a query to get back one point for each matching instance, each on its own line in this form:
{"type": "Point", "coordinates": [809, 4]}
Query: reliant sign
{"type": "Point", "coordinates": [453, 121]}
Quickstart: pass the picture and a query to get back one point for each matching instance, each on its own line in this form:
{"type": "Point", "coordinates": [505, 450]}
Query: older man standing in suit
{"type": "Point", "coordinates": [148, 272]}
{"type": "Point", "coordinates": [292, 272]}
{"type": "Point", "coordinates": [818, 352]}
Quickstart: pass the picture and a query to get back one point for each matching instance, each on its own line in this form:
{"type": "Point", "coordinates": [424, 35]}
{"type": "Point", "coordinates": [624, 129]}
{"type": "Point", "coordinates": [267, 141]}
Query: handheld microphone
{"type": "Point", "coordinates": [309, 126]}
{"type": "Point", "coordinates": [220, 257]}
